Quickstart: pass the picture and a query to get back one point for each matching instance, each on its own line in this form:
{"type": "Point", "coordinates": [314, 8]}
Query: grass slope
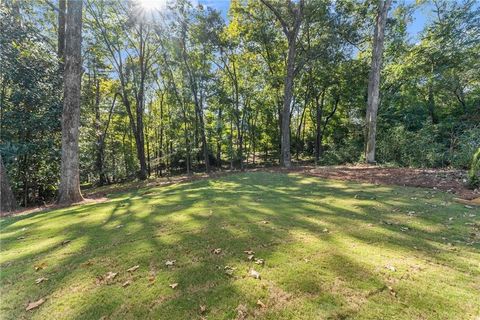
{"type": "Point", "coordinates": [332, 250]}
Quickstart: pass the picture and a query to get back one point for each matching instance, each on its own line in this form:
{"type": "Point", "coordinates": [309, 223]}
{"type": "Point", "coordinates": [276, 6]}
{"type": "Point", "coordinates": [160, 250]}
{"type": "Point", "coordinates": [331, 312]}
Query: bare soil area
{"type": "Point", "coordinates": [453, 181]}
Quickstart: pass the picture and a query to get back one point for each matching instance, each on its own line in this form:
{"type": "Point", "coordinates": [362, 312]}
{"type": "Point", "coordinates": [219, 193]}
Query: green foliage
{"type": "Point", "coordinates": [30, 110]}
{"type": "Point", "coordinates": [190, 76]}
{"type": "Point", "coordinates": [474, 172]}
{"type": "Point", "coordinates": [411, 148]}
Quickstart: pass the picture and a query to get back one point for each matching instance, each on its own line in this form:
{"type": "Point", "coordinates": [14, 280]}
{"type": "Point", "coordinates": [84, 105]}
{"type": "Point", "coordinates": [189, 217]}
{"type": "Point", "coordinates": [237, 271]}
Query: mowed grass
{"type": "Point", "coordinates": [332, 250]}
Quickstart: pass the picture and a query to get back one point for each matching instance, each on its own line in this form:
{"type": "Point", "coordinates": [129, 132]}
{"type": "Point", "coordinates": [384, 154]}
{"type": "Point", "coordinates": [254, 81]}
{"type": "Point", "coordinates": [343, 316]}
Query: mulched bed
{"type": "Point", "coordinates": [453, 181]}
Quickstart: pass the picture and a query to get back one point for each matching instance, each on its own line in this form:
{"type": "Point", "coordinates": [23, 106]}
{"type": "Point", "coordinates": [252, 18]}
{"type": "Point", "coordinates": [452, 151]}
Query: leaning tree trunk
{"type": "Point", "coordinates": [374, 80]}
{"type": "Point", "coordinates": [69, 189]}
{"type": "Point", "coordinates": [7, 199]}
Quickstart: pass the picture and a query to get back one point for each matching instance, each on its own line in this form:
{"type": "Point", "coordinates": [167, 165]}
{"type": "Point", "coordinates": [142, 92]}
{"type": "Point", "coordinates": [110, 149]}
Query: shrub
{"type": "Point", "coordinates": [473, 174]}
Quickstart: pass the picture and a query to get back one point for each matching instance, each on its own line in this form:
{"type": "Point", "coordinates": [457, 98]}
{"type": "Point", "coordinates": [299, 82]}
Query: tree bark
{"type": "Point", "coordinates": [291, 31]}
{"type": "Point", "coordinates": [7, 199]}
{"type": "Point", "coordinates": [374, 79]}
{"type": "Point", "coordinates": [318, 125]}
{"type": "Point", "coordinates": [69, 189]}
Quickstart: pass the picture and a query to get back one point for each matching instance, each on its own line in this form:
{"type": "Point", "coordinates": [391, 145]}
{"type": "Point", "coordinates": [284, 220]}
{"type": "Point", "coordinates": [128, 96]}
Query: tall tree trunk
{"type": "Point", "coordinates": [160, 151]}
{"type": "Point", "coordinates": [291, 30]}
{"type": "Point", "coordinates": [299, 128]}
{"type": "Point", "coordinates": [149, 167]}
{"type": "Point", "coordinates": [69, 189]}
{"type": "Point", "coordinates": [318, 126]}
{"type": "Point", "coordinates": [7, 199]}
{"type": "Point", "coordinates": [374, 79]}
{"type": "Point", "coordinates": [99, 152]}
{"type": "Point", "coordinates": [287, 101]}
{"type": "Point", "coordinates": [219, 138]}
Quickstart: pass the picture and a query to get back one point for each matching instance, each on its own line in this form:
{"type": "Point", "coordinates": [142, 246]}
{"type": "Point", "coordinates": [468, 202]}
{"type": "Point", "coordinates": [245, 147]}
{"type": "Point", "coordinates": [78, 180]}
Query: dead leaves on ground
{"type": "Point", "coordinates": [107, 278]}
{"type": "Point", "coordinates": [391, 268]}
{"type": "Point", "coordinates": [170, 263]}
{"type": "Point", "coordinates": [261, 304]}
{"type": "Point", "coordinates": [254, 274]}
{"type": "Point", "coordinates": [173, 285]}
{"type": "Point", "coordinates": [229, 270]}
{"type": "Point", "coordinates": [40, 280]}
{"type": "Point", "coordinates": [132, 269]}
{"type": "Point", "coordinates": [251, 257]}
{"type": "Point", "coordinates": [35, 304]}
{"type": "Point", "coordinates": [242, 312]}
{"type": "Point", "coordinates": [40, 266]}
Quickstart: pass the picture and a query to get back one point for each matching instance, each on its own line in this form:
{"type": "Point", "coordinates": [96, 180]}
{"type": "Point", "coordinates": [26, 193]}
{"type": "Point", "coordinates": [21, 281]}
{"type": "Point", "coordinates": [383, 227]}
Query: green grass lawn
{"type": "Point", "coordinates": [332, 250]}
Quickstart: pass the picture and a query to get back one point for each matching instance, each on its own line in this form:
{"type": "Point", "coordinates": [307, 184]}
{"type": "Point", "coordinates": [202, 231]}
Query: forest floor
{"type": "Point", "coordinates": [265, 245]}
{"type": "Point", "coordinates": [448, 180]}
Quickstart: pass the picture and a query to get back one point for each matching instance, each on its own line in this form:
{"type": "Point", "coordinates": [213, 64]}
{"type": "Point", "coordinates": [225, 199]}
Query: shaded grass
{"type": "Point", "coordinates": [327, 245]}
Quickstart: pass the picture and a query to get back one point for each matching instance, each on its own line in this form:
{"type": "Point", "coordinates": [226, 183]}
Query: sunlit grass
{"type": "Point", "coordinates": [331, 249]}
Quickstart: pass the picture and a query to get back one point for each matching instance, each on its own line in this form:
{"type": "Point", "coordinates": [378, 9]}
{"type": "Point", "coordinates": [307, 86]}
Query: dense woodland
{"type": "Point", "coordinates": [178, 88]}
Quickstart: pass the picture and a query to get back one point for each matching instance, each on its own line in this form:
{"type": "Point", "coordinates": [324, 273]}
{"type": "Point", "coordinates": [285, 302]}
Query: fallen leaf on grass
{"type": "Point", "coordinates": [260, 304]}
{"type": "Point", "coordinates": [40, 266]}
{"type": "Point", "coordinates": [35, 304]}
{"type": "Point", "coordinates": [242, 312]}
{"type": "Point", "coordinates": [265, 222]}
{"type": "Point", "coordinates": [217, 251]}
{"type": "Point", "coordinates": [110, 275]}
{"type": "Point", "coordinates": [40, 280]}
{"type": "Point", "coordinates": [254, 274]}
{"type": "Point", "coordinates": [468, 207]}
{"type": "Point", "coordinates": [391, 268]}
{"type": "Point", "coordinates": [325, 230]}
{"type": "Point", "coordinates": [20, 238]}
{"type": "Point", "coordinates": [126, 283]}
{"type": "Point", "coordinates": [249, 252]}
{"type": "Point", "coordinates": [132, 269]}
{"type": "Point", "coordinates": [203, 309]}
{"type": "Point", "coordinates": [151, 280]}
{"type": "Point", "coordinates": [259, 261]}
{"type": "Point", "coordinates": [173, 285]}
{"type": "Point", "coordinates": [250, 257]}
{"type": "Point", "coordinates": [170, 263]}
{"type": "Point", "coordinates": [392, 292]}
{"type": "Point", "coordinates": [64, 242]}
{"type": "Point", "coordinates": [119, 226]}
{"type": "Point", "coordinates": [229, 270]}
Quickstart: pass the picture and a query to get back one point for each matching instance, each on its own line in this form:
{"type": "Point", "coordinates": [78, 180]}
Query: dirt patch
{"type": "Point", "coordinates": [452, 181]}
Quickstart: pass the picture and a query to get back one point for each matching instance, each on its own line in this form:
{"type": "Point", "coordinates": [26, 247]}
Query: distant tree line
{"type": "Point", "coordinates": [182, 89]}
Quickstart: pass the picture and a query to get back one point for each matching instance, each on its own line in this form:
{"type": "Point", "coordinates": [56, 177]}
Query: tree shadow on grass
{"type": "Point", "coordinates": [185, 222]}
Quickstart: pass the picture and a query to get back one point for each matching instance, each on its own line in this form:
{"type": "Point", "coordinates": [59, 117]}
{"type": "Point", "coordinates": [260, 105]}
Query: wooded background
{"type": "Point", "coordinates": [179, 89]}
